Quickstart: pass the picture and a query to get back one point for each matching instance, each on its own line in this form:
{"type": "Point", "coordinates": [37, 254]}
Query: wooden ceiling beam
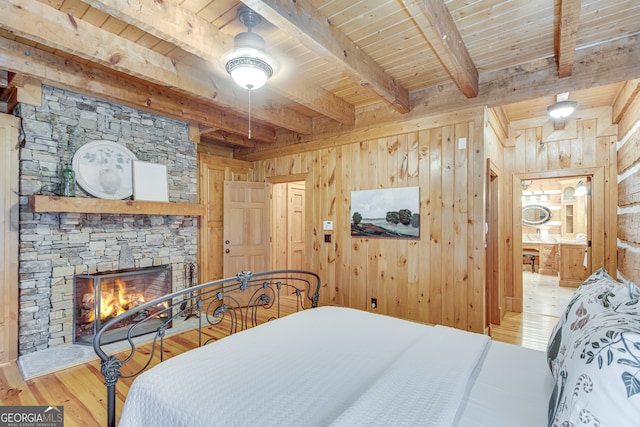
{"type": "Point", "coordinates": [203, 130]}
{"type": "Point", "coordinates": [44, 24]}
{"type": "Point", "coordinates": [566, 36]}
{"type": "Point", "coordinates": [81, 78]}
{"type": "Point", "coordinates": [215, 134]}
{"type": "Point", "coordinates": [437, 25]}
{"type": "Point", "coordinates": [607, 63]}
{"type": "Point", "coordinates": [195, 35]}
{"type": "Point", "coordinates": [227, 138]}
{"type": "Point", "coordinates": [304, 23]}
{"type": "Point", "coordinates": [5, 79]}
{"type": "Point", "coordinates": [624, 98]}
{"type": "Point", "coordinates": [8, 99]}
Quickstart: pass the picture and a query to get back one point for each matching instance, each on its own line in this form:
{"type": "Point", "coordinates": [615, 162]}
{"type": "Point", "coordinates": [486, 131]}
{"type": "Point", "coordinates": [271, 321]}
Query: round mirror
{"type": "Point", "coordinates": [535, 214]}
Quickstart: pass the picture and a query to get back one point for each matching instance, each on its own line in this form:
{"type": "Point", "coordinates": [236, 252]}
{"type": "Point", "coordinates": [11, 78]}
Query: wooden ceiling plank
{"type": "Point", "coordinates": [114, 26]}
{"type": "Point", "coordinates": [67, 74]}
{"type": "Point", "coordinates": [303, 22]}
{"type": "Point", "coordinates": [32, 19]}
{"type": "Point", "coordinates": [131, 33]}
{"type": "Point", "coordinates": [567, 35]}
{"type": "Point", "coordinates": [73, 7]}
{"type": "Point", "coordinates": [195, 35]}
{"type": "Point", "coordinates": [95, 17]}
{"type": "Point", "coordinates": [170, 22]}
{"type": "Point", "coordinates": [435, 21]}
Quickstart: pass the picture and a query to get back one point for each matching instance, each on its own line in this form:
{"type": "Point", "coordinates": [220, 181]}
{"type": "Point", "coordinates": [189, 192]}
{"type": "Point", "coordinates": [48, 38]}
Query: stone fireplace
{"type": "Point", "coordinates": [101, 297]}
{"type": "Point", "coordinates": [56, 247]}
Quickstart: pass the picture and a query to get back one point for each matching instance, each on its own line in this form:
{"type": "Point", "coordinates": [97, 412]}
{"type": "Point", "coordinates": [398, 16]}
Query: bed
{"type": "Point", "coordinates": [336, 366]}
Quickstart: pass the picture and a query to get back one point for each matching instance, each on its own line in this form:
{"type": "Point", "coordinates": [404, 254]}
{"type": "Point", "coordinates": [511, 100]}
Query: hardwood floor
{"type": "Point", "coordinates": [80, 389]}
{"type": "Point", "coordinates": [544, 302]}
{"type": "Point", "coordinates": [81, 392]}
{"type": "Point", "coordinates": [527, 330]}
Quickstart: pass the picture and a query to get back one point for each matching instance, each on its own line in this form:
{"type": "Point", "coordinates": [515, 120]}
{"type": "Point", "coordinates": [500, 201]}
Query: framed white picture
{"type": "Point", "coordinates": [150, 182]}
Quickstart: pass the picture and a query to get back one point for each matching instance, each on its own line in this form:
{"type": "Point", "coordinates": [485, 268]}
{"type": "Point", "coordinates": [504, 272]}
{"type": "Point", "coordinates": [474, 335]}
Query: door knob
{"type": "Point", "coordinates": [226, 251]}
{"type": "Point", "coordinates": [226, 242]}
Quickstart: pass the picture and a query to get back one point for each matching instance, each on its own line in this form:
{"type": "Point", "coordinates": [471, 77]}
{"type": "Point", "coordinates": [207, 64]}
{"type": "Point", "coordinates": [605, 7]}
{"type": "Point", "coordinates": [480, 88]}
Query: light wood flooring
{"type": "Point", "coordinates": [80, 390]}
{"type": "Point", "coordinates": [543, 303]}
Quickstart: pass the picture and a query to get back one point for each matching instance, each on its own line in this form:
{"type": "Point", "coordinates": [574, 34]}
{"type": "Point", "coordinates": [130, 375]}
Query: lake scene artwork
{"type": "Point", "coordinates": [393, 213]}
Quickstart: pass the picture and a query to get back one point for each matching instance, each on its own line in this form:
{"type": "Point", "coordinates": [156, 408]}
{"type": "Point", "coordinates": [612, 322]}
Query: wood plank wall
{"type": "Point", "coordinates": [438, 278]}
{"type": "Point", "coordinates": [628, 169]}
{"type": "Point", "coordinates": [535, 149]}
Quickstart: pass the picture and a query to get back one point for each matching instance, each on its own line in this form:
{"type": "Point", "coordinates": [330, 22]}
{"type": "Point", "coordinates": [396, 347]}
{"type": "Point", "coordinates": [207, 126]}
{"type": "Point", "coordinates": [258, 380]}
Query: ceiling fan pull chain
{"type": "Point", "coordinates": [249, 113]}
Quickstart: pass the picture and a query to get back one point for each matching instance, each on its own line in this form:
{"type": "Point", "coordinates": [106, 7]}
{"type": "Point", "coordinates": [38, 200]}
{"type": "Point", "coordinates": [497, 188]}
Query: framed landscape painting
{"type": "Point", "coordinates": [393, 212]}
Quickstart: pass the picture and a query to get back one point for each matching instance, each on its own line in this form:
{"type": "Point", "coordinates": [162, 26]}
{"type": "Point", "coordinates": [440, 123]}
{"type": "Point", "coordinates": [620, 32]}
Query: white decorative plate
{"type": "Point", "coordinates": [103, 169]}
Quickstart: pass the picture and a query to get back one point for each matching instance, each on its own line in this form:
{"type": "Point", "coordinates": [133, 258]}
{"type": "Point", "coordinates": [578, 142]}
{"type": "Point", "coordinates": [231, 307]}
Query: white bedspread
{"type": "Point", "coordinates": [314, 368]}
{"type": "Point", "coordinates": [425, 385]}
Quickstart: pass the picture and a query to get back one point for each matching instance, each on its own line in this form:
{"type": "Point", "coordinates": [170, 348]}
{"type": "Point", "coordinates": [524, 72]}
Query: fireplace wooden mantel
{"type": "Point", "coordinates": [40, 203]}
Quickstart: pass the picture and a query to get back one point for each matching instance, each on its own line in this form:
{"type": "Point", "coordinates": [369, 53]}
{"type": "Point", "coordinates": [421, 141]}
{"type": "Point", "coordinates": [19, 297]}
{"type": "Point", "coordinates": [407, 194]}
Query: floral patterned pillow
{"type": "Point", "coordinates": [598, 382]}
{"type": "Point", "coordinates": [598, 293]}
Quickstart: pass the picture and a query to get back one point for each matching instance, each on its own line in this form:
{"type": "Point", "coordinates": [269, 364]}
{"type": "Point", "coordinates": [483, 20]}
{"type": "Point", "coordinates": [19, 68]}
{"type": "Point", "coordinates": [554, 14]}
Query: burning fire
{"type": "Point", "coordinates": [115, 301]}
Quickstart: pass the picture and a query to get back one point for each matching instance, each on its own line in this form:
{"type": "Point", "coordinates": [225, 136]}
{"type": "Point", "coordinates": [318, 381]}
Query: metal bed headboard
{"type": "Point", "coordinates": [234, 302]}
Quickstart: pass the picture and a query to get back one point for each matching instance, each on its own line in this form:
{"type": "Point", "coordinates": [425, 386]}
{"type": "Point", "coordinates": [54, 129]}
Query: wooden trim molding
{"type": "Point", "coordinates": [9, 126]}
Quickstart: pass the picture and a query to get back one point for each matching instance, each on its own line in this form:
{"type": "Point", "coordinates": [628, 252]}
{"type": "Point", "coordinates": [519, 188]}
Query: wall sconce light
{"type": "Point", "coordinates": [581, 189]}
{"type": "Point", "coordinates": [526, 184]}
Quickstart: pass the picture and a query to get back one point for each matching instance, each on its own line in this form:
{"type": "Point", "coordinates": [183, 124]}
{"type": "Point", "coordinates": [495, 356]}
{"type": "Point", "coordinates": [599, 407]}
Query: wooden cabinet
{"type": "Point", "coordinates": [572, 270]}
{"type": "Point", "coordinates": [573, 212]}
{"type": "Point", "coordinates": [548, 259]}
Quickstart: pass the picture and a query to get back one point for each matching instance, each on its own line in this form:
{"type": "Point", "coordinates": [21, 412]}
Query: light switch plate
{"type": "Point", "coordinates": [327, 225]}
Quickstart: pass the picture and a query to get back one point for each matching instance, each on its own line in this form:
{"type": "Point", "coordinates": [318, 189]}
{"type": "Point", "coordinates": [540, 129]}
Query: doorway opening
{"type": "Point", "coordinates": [288, 226]}
{"type": "Point", "coordinates": [555, 243]}
{"type": "Point", "coordinates": [494, 279]}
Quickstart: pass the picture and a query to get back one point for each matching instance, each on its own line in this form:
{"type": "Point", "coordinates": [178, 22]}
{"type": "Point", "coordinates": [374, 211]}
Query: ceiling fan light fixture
{"type": "Point", "coordinates": [249, 66]}
{"type": "Point", "coordinates": [249, 70]}
{"type": "Point", "coordinates": [561, 110]}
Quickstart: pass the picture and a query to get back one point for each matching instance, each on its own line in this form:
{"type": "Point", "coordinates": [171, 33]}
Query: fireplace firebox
{"type": "Point", "coordinates": [102, 296]}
